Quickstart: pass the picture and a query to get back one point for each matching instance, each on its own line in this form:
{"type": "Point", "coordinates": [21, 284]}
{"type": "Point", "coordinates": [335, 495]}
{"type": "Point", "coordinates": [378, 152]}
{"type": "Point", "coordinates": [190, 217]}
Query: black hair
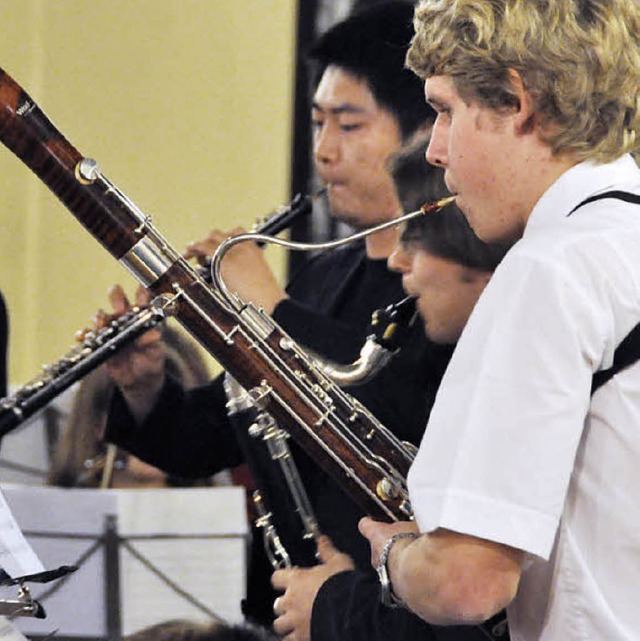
{"type": "Point", "coordinates": [372, 45]}
{"type": "Point", "coordinates": [446, 233]}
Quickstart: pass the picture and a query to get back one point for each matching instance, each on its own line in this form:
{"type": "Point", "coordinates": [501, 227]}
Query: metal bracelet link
{"type": "Point", "coordinates": [387, 597]}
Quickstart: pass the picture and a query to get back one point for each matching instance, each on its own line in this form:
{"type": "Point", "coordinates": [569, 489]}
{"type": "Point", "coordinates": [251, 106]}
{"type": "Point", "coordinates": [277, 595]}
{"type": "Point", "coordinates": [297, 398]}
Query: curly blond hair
{"type": "Point", "coordinates": [579, 59]}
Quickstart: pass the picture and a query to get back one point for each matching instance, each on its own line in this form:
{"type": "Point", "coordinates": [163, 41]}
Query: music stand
{"type": "Point", "coordinates": [144, 556]}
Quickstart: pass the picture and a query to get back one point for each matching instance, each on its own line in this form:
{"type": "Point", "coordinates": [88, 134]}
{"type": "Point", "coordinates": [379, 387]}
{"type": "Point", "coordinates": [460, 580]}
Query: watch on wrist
{"type": "Point", "coordinates": [387, 596]}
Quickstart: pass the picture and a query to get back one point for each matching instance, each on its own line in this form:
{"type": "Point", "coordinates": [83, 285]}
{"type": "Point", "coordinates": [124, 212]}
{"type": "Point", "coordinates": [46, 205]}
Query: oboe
{"type": "Point", "coordinates": [98, 345]}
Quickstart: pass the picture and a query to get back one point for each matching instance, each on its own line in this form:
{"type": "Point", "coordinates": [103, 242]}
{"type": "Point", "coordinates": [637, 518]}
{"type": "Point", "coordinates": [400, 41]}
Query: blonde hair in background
{"type": "Point", "coordinates": [579, 59]}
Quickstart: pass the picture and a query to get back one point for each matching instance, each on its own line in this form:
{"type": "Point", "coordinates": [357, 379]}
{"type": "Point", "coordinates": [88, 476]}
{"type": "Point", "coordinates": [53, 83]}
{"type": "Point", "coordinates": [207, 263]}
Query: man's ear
{"type": "Point", "coordinates": [525, 114]}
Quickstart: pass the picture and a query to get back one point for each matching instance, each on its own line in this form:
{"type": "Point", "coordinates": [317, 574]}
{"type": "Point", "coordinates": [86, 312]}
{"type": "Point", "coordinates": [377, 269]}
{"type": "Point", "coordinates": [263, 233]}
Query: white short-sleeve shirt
{"type": "Point", "coordinates": [516, 450]}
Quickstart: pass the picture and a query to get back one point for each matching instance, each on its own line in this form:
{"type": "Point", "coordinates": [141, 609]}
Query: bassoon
{"type": "Point", "coordinates": [335, 430]}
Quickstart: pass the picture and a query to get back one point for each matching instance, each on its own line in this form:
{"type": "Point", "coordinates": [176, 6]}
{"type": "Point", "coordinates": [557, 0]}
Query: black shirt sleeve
{"type": "Point", "coordinates": [318, 332]}
{"type": "Point", "coordinates": [315, 313]}
{"type": "Point", "coordinates": [348, 608]}
{"type": "Point", "coordinates": [187, 434]}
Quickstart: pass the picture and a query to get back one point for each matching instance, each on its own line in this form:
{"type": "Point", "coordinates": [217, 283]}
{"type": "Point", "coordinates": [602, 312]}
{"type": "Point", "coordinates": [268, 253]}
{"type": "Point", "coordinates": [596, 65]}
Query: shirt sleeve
{"type": "Point", "coordinates": [348, 608]}
{"type": "Point", "coordinates": [498, 452]}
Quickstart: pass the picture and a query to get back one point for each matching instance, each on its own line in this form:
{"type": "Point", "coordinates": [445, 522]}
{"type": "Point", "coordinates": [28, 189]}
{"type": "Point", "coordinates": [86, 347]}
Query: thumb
{"type": "Point", "coordinates": [118, 300]}
{"type": "Point", "coordinates": [143, 296]}
{"type": "Point", "coordinates": [326, 549]}
{"type": "Point", "coordinates": [364, 525]}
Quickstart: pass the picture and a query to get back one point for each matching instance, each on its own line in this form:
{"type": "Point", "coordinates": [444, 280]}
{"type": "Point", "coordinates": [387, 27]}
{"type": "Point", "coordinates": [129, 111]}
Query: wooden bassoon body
{"type": "Point", "coordinates": [340, 434]}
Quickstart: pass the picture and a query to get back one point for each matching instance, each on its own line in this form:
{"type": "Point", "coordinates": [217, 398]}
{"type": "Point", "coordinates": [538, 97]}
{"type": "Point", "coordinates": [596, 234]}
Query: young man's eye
{"type": "Point", "coordinates": [440, 108]}
{"type": "Point", "coordinates": [346, 127]}
{"type": "Point", "coordinates": [316, 124]}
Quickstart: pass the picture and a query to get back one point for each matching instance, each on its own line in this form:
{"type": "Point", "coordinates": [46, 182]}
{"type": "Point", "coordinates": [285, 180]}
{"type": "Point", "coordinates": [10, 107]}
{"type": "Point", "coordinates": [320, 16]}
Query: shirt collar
{"type": "Point", "coordinates": [578, 183]}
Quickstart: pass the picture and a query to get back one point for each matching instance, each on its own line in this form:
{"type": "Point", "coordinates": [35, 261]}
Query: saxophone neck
{"type": "Point", "coordinates": [373, 357]}
{"type": "Point", "coordinates": [388, 331]}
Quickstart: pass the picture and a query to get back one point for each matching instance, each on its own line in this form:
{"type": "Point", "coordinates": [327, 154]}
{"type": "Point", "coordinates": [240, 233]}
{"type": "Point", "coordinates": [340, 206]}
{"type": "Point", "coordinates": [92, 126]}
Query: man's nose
{"type": "Point", "coordinates": [436, 153]}
{"type": "Point", "coordinates": [326, 145]}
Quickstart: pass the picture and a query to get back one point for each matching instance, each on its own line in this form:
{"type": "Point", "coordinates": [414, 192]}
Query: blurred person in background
{"type": "Point", "coordinates": [83, 459]}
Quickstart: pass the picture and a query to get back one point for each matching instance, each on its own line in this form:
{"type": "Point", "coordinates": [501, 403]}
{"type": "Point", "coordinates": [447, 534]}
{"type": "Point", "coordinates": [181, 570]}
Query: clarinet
{"type": "Point", "coordinates": [335, 430]}
{"type": "Point", "coordinates": [98, 345]}
{"type": "Point", "coordinates": [284, 512]}
{"type": "Point", "coordinates": [281, 219]}
{"type": "Point", "coordinates": [290, 532]}
{"type": "Point", "coordinates": [95, 348]}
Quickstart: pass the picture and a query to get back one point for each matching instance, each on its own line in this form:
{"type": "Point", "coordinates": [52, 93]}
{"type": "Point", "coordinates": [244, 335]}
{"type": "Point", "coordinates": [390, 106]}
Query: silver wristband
{"type": "Point", "coordinates": [387, 596]}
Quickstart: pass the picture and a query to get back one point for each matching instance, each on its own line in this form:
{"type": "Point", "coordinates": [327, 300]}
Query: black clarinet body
{"type": "Point", "coordinates": [95, 348]}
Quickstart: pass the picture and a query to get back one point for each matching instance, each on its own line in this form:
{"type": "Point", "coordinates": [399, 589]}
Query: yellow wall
{"type": "Point", "coordinates": [185, 104]}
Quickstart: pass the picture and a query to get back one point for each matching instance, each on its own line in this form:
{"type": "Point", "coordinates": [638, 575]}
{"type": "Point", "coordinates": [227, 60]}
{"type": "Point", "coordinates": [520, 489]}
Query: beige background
{"type": "Point", "coordinates": [185, 104]}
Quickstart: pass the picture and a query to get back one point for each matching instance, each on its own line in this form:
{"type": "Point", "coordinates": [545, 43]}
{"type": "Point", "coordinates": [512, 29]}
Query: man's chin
{"type": "Point", "coordinates": [358, 218]}
{"type": "Point", "coordinates": [342, 215]}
